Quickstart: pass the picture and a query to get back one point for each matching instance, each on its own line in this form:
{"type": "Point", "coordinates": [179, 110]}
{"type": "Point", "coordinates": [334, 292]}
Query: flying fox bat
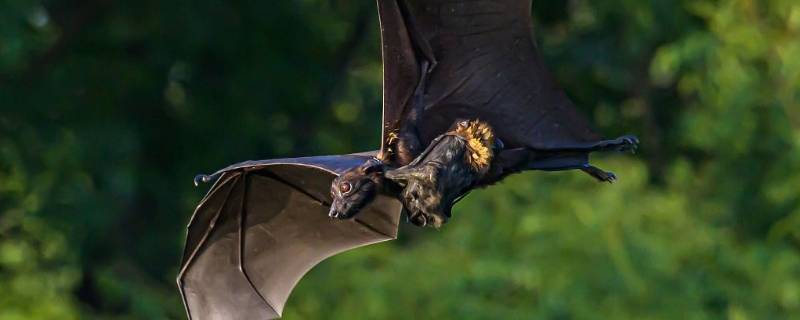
{"type": "Point", "coordinates": [450, 60]}
{"type": "Point", "coordinates": [464, 91]}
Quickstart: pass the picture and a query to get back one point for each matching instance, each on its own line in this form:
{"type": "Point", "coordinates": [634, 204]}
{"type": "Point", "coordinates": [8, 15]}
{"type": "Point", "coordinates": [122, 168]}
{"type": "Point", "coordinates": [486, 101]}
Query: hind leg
{"type": "Point", "coordinates": [622, 144]}
{"type": "Point", "coordinates": [599, 174]}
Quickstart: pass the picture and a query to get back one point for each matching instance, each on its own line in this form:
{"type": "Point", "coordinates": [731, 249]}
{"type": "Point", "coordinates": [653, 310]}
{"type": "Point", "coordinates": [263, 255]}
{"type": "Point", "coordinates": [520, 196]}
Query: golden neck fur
{"type": "Point", "coordinates": [480, 140]}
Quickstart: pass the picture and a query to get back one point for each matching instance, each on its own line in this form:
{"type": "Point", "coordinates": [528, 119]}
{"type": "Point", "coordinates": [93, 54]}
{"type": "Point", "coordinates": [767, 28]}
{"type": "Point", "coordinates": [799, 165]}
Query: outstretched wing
{"type": "Point", "coordinates": [261, 227]}
{"type": "Point", "coordinates": [487, 67]}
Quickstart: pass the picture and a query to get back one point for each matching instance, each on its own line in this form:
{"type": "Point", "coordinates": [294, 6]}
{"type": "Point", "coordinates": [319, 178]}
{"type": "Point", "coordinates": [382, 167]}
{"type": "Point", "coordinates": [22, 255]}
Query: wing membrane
{"type": "Point", "coordinates": [488, 67]}
{"type": "Point", "coordinates": [400, 65]}
{"type": "Point", "coordinates": [262, 226]}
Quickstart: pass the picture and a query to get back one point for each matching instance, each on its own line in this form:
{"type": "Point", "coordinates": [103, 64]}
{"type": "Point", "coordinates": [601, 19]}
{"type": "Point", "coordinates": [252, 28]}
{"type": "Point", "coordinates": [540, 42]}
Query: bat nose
{"type": "Point", "coordinates": [333, 213]}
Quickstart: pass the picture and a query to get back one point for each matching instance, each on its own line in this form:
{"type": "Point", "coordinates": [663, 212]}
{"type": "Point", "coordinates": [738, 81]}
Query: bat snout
{"type": "Point", "coordinates": [336, 214]}
{"type": "Point", "coordinates": [340, 212]}
{"type": "Point", "coordinates": [333, 213]}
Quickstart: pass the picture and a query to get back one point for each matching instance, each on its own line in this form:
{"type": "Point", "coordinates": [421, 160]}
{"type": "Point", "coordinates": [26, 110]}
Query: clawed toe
{"type": "Point", "coordinates": [627, 143]}
{"type": "Point", "coordinates": [606, 176]}
{"type": "Point", "coordinates": [423, 220]}
{"type": "Point", "coordinates": [435, 220]}
{"type": "Point", "coordinates": [419, 220]}
{"type": "Point", "coordinates": [611, 177]}
{"type": "Point", "coordinates": [599, 174]}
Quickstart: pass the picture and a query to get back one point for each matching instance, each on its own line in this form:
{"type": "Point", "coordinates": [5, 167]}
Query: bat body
{"type": "Point", "coordinates": [453, 164]}
{"type": "Point", "coordinates": [466, 102]}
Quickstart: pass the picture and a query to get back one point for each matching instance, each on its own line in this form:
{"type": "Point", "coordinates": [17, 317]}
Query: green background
{"type": "Point", "coordinates": [107, 110]}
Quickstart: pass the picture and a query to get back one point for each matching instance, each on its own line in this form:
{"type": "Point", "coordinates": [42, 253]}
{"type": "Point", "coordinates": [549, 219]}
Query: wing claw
{"type": "Point", "coordinates": [200, 178]}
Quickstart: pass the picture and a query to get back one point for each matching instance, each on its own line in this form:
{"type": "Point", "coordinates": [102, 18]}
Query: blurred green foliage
{"type": "Point", "coordinates": [108, 110]}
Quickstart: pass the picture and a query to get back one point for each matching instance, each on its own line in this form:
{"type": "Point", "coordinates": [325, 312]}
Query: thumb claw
{"type": "Point", "coordinates": [200, 178]}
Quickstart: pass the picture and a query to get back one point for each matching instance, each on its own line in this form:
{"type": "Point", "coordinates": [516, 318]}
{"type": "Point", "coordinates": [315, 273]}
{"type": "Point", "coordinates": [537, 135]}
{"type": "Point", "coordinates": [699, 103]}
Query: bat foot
{"type": "Point", "coordinates": [418, 220]}
{"type": "Point", "coordinates": [422, 220]}
{"type": "Point", "coordinates": [600, 174]}
{"type": "Point", "coordinates": [626, 144]}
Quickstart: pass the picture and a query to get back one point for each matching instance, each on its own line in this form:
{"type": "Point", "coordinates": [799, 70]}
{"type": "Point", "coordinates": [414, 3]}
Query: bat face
{"type": "Point", "coordinates": [355, 189]}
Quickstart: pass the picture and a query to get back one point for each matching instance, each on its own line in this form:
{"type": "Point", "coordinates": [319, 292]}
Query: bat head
{"type": "Point", "coordinates": [355, 189]}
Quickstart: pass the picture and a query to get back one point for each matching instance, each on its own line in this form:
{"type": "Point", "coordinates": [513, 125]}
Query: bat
{"type": "Point", "coordinates": [455, 72]}
{"type": "Point", "coordinates": [446, 61]}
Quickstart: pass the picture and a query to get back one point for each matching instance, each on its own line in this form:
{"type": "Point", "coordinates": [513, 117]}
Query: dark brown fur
{"type": "Point", "coordinates": [365, 181]}
{"type": "Point", "coordinates": [453, 164]}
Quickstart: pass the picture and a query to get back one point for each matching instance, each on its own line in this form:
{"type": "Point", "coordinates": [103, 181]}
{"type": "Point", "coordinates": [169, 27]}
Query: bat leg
{"type": "Point", "coordinates": [408, 144]}
{"type": "Point", "coordinates": [627, 143]}
{"type": "Point", "coordinates": [622, 144]}
{"type": "Point", "coordinates": [599, 174]}
{"type": "Point", "coordinates": [418, 106]}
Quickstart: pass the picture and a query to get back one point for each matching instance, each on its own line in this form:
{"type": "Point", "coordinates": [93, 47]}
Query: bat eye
{"type": "Point", "coordinates": [345, 187]}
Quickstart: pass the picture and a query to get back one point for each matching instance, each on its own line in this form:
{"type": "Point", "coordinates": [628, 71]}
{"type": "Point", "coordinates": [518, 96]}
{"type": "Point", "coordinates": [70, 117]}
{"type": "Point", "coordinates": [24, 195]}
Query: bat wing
{"type": "Point", "coordinates": [487, 66]}
{"type": "Point", "coordinates": [401, 69]}
{"type": "Point", "coordinates": [262, 226]}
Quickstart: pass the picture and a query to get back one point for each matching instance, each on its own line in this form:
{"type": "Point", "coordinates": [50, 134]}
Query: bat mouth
{"type": "Point", "coordinates": [336, 214]}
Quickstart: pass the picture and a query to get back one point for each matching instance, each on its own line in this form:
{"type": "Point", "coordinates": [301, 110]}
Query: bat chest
{"type": "Point", "coordinates": [435, 182]}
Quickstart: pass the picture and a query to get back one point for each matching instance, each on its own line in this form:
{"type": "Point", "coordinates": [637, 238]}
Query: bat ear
{"type": "Point", "coordinates": [459, 122]}
{"type": "Point", "coordinates": [498, 145]}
